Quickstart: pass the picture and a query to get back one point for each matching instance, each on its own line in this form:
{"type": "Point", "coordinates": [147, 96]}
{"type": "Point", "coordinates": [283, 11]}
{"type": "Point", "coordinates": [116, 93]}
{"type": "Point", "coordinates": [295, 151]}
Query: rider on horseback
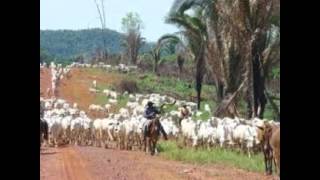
{"type": "Point", "coordinates": [150, 113]}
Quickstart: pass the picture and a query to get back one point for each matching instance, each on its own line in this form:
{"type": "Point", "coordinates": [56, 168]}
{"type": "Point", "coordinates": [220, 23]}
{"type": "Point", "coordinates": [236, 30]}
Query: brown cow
{"type": "Point", "coordinates": [271, 146]}
{"type": "Point", "coordinates": [275, 145]}
{"type": "Point", "coordinates": [183, 113]}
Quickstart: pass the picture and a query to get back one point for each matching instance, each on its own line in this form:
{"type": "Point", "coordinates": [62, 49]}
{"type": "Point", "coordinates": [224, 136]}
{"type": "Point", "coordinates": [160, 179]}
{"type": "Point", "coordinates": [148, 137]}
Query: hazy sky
{"type": "Point", "coordinates": [82, 14]}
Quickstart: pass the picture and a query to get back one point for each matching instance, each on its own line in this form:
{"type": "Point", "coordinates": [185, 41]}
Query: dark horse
{"type": "Point", "coordinates": [43, 131]}
{"type": "Point", "coordinates": [153, 133]}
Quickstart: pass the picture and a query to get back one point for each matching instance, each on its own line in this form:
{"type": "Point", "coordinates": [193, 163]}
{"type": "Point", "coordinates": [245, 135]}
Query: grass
{"type": "Point", "coordinates": [167, 109]}
{"type": "Point", "coordinates": [170, 150]}
{"type": "Point", "coordinates": [204, 116]}
{"type": "Point", "coordinates": [122, 102]}
{"type": "Point", "coordinates": [164, 85]}
{"type": "Point", "coordinates": [101, 99]}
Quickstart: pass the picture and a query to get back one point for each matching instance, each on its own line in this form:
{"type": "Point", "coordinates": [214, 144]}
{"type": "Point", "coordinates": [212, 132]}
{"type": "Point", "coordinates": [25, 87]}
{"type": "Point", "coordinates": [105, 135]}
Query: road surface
{"type": "Point", "coordinates": [91, 163]}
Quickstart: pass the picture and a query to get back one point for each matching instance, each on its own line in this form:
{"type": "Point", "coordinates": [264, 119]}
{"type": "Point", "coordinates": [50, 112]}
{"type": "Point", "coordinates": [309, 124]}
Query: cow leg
{"type": "Point", "coordinates": [265, 161]}
{"type": "Point", "coordinates": [270, 162]}
{"type": "Point", "coordinates": [55, 142]}
{"type": "Point", "coordinates": [249, 154]}
{"type": "Point", "coordinates": [277, 162]}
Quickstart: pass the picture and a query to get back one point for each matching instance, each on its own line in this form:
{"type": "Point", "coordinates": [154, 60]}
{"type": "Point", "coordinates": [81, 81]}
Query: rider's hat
{"type": "Point", "coordinates": [150, 103]}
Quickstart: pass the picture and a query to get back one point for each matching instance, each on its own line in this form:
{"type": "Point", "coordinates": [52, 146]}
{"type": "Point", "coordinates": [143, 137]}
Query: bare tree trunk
{"type": "Point", "coordinates": [224, 108]}
{"type": "Point", "coordinates": [155, 67]}
{"type": "Point", "coordinates": [102, 17]}
{"type": "Point", "coordinates": [250, 90]}
{"type": "Point", "coordinates": [219, 90]}
{"type": "Point", "coordinates": [180, 61]}
{"type": "Point", "coordinates": [258, 76]}
{"type": "Point", "coordinates": [200, 68]}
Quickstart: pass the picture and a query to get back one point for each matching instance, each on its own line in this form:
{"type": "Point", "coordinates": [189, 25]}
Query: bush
{"type": "Point", "coordinates": [128, 85]}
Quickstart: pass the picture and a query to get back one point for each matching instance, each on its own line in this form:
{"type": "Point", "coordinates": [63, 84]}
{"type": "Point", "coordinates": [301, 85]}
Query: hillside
{"type": "Point", "coordinates": [68, 43]}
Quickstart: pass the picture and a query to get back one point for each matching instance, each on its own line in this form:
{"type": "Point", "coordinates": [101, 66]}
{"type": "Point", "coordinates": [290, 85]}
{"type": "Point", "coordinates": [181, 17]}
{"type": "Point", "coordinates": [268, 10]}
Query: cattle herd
{"type": "Point", "coordinates": [67, 124]}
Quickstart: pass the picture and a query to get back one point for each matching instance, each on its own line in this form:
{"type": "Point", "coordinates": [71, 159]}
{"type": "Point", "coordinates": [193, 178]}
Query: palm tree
{"type": "Point", "coordinates": [239, 44]}
{"type": "Point", "coordinates": [156, 51]}
{"type": "Point", "coordinates": [195, 31]}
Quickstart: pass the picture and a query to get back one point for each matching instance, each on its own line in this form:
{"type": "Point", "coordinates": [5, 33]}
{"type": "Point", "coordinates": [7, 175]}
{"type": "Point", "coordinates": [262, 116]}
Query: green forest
{"type": "Point", "coordinates": [66, 44]}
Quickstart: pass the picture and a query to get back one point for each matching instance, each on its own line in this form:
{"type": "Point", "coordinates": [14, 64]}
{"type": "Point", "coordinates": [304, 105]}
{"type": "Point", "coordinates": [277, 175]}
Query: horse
{"type": "Point", "coordinates": [153, 133]}
{"type": "Point", "coordinates": [44, 131]}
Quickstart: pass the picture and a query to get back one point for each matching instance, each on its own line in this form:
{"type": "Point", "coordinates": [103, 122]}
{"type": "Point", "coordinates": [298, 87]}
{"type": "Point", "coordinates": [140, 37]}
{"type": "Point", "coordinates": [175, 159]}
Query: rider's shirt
{"type": "Point", "coordinates": [151, 112]}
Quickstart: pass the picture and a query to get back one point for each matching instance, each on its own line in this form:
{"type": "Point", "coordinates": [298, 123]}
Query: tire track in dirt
{"type": "Point", "coordinates": [64, 164]}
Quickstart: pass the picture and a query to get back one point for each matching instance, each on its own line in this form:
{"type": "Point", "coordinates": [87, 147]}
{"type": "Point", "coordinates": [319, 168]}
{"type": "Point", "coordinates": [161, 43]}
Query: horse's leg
{"type": "Point", "coordinates": [145, 144]}
{"type": "Point", "coordinates": [152, 146]}
{"type": "Point", "coordinates": [155, 146]}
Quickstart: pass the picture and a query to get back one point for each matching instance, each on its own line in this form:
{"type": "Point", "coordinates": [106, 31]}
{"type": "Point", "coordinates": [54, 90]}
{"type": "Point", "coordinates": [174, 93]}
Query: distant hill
{"type": "Point", "coordinates": [68, 43]}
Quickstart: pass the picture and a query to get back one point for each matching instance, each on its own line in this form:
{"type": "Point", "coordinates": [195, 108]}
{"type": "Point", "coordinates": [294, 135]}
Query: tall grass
{"type": "Point", "coordinates": [170, 150]}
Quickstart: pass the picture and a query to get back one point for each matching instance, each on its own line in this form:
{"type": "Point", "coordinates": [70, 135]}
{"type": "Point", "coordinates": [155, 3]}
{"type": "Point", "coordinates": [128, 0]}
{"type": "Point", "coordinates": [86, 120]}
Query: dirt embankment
{"type": "Point", "coordinates": [75, 87]}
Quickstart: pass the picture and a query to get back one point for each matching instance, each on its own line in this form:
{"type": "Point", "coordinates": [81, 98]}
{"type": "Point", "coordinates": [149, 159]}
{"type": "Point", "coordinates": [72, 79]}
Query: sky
{"type": "Point", "coordinates": [83, 14]}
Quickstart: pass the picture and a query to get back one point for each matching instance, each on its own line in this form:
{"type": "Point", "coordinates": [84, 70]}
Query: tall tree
{"type": "Point", "coordinates": [132, 25]}
{"type": "Point", "coordinates": [102, 17]}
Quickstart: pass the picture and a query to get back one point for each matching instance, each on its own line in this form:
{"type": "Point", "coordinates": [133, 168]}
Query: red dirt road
{"type": "Point", "coordinates": [90, 163]}
{"type": "Point", "coordinates": [63, 164]}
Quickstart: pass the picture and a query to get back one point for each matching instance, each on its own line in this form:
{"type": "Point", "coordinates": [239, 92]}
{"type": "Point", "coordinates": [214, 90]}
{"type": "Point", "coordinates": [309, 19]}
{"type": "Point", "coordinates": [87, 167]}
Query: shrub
{"type": "Point", "coordinates": [128, 85]}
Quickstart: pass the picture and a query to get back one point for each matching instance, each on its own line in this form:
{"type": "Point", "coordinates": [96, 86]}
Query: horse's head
{"type": "Point", "coordinates": [154, 125]}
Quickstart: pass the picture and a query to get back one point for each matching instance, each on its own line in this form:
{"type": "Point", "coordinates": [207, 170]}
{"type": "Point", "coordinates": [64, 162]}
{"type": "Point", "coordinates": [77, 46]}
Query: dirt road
{"type": "Point", "coordinates": [90, 163]}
